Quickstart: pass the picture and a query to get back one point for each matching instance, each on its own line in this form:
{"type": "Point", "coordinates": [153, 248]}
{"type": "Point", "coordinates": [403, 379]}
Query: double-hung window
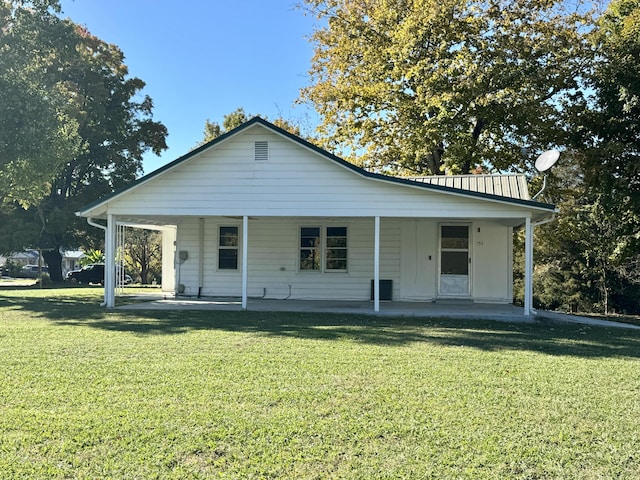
{"type": "Point", "coordinates": [323, 249]}
{"type": "Point", "coordinates": [310, 248]}
{"type": "Point", "coordinates": [228, 248]}
{"type": "Point", "coordinates": [336, 249]}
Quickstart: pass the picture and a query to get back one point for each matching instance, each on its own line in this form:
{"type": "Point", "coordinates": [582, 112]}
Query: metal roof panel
{"type": "Point", "coordinates": [510, 185]}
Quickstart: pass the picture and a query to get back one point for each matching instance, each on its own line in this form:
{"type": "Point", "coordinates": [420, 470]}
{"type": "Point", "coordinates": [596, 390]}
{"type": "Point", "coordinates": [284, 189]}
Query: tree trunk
{"type": "Point", "coordinates": [468, 163]}
{"type": "Point", "coordinates": [53, 258]}
{"type": "Point", "coordinates": [144, 274]}
{"type": "Point", "coordinates": [434, 161]}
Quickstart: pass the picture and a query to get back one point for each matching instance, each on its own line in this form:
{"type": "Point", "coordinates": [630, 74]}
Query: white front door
{"type": "Point", "coordinates": [455, 261]}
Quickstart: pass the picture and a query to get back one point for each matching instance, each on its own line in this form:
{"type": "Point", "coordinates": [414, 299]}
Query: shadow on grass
{"type": "Point", "coordinates": [552, 339]}
{"type": "Point", "coordinates": [73, 306]}
{"type": "Point", "coordinates": [546, 338]}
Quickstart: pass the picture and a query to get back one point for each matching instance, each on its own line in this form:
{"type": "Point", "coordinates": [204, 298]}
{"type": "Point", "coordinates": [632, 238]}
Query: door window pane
{"type": "Point", "coordinates": [454, 263]}
{"type": "Point", "coordinates": [455, 236]}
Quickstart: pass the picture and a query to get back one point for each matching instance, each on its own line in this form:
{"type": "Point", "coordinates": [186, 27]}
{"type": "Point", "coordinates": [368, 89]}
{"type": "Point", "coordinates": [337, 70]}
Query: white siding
{"type": "Point", "coordinates": [409, 257]}
{"type": "Point", "coordinates": [273, 260]}
{"type": "Point", "coordinates": [295, 181]}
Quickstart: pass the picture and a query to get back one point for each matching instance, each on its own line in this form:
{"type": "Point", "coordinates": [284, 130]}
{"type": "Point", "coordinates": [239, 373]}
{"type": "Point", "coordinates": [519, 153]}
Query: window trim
{"type": "Point", "coordinates": [225, 247]}
{"type": "Point", "coordinates": [326, 248]}
{"type": "Point", "coordinates": [323, 249]}
{"type": "Point", "coordinates": [301, 247]}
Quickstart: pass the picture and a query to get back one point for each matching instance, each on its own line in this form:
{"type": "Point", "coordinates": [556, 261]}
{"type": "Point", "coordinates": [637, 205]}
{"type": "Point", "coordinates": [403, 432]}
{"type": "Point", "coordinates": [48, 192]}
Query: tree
{"type": "Point", "coordinates": [143, 254]}
{"type": "Point", "coordinates": [37, 134]}
{"type": "Point", "coordinates": [433, 86]}
{"type": "Point", "coordinates": [232, 120]}
{"type": "Point", "coordinates": [213, 130]}
{"type": "Point", "coordinates": [116, 128]}
{"type": "Point", "coordinates": [579, 267]}
{"type": "Point", "coordinates": [609, 135]}
{"type": "Point", "coordinates": [589, 258]}
{"type": "Point", "coordinates": [606, 135]}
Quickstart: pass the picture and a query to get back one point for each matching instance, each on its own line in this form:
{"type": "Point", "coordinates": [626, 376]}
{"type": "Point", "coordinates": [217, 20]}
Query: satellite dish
{"type": "Point", "coordinates": [547, 160]}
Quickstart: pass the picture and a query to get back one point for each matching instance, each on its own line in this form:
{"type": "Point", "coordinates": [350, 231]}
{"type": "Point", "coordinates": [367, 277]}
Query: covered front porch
{"type": "Point", "coordinates": [408, 251]}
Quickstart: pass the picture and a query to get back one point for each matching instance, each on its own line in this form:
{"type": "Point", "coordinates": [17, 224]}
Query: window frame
{"type": "Point", "coordinates": [328, 247]}
{"type": "Point", "coordinates": [302, 247]}
{"type": "Point", "coordinates": [323, 248]}
{"type": "Point", "coordinates": [227, 248]}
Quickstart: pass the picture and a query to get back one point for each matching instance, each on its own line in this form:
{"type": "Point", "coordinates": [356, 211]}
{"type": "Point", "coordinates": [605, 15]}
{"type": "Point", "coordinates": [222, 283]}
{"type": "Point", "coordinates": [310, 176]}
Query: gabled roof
{"type": "Point", "coordinates": [415, 183]}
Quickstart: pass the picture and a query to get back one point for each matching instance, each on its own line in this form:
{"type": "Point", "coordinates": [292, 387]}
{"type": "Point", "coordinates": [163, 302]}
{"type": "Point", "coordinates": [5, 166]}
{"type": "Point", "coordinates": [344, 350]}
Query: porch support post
{"type": "Point", "coordinates": [376, 265]}
{"type": "Point", "coordinates": [110, 262]}
{"type": "Point", "coordinates": [200, 256]}
{"type": "Point", "coordinates": [245, 267]}
{"type": "Point", "coordinates": [528, 267]}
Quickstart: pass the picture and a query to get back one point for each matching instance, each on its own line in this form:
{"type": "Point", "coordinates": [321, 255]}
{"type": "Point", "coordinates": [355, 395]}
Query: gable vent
{"type": "Point", "coordinates": [261, 150]}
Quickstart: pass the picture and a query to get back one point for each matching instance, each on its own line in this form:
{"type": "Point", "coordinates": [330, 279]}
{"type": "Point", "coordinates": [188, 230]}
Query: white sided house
{"type": "Point", "coordinates": [259, 212]}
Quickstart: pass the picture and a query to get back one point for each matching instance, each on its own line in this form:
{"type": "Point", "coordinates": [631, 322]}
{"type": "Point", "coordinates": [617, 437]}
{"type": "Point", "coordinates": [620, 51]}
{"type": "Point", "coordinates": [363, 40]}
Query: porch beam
{"type": "Point", "coordinates": [245, 251]}
{"type": "Point", "coordinates": [110, 262]}
{"type": "Point", "coordinates": [528, 268]}
{"type": "Point", "coordinates": [376, 264]}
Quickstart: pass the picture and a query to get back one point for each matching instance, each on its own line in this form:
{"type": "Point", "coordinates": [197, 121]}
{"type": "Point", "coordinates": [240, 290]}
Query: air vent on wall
{"type": "Point", "coordinates": [261, 150]}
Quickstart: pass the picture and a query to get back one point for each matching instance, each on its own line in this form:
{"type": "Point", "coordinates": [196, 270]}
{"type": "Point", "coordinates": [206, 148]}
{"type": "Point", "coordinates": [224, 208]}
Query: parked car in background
{"type": "Point", "coordinates": [31, 271]}
{"type": "Point", "coordinates": [94, 273]}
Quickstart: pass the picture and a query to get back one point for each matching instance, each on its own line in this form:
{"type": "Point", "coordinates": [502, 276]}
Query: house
{"type": "Point", "coordinates": [260, 212]}
{"type": "Point", "coordinates": [28, 257]}
{"type": "Point", "coordinates": [71, 260]}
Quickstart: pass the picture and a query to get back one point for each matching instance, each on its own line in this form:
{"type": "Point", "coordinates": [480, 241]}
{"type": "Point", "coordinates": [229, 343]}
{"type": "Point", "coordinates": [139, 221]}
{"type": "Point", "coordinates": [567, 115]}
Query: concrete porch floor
{"type": "Point", "coordinates": [442, 309]}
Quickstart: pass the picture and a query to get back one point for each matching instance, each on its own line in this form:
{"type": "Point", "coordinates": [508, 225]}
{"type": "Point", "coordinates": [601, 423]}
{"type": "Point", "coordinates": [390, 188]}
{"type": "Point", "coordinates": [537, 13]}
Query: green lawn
{"type": "Point", "coordinates": [90, 394]}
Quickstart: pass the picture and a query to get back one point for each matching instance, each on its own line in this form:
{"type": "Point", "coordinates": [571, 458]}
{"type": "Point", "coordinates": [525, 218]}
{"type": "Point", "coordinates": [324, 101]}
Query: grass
{"type": "Point", "coordinates": [86, 393]}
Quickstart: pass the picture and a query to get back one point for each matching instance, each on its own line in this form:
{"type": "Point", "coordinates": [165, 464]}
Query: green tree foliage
{"type": "Point", "coordinates": [37, 133]}
{"type": "Point", "coordinates": [114, 124]}
{"type": "Point", "coordinates": [591, 254]}
{"type": "Point", "coordinates": [610, 136]}
{"type": "Point", "coordinates": [433, 86]}
{"type": "Point", "coordinates": [213, 130]}
{"type": "Point", "coordinates": [579, 265]}
{"type": "Point", "coordinates": [92, 256]}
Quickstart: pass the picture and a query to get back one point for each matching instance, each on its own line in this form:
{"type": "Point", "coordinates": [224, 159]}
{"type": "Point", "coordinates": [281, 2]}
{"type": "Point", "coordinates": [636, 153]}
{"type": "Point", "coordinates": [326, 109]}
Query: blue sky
{"type": "Point", "coordinates": [204, 58]}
